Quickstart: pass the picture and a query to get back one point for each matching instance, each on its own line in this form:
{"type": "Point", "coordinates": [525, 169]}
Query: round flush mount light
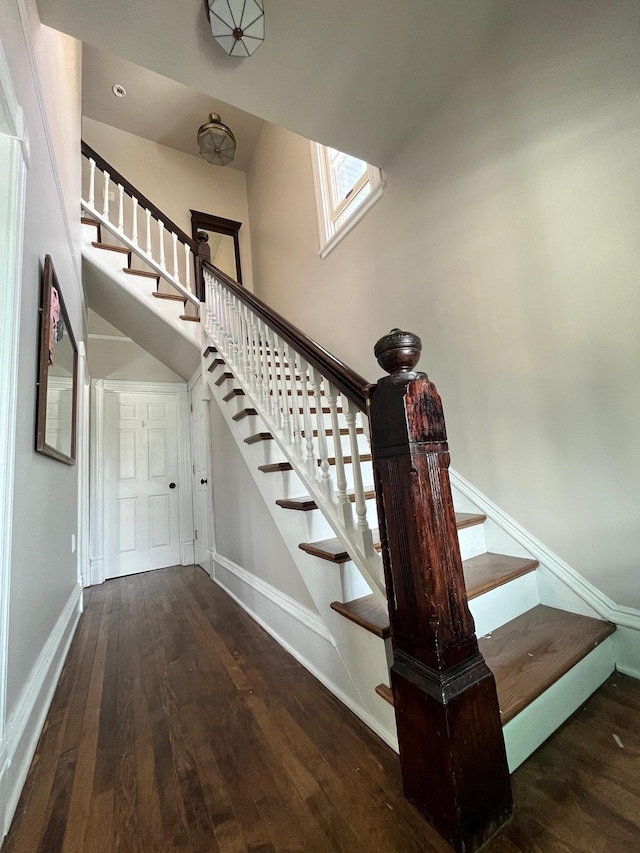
{"type": "Point", "coordinates": [237, 25]}
{"type": "Point", "coordinates": [118, 90]}
{"type": "Point", "coordinates": [216, 142]}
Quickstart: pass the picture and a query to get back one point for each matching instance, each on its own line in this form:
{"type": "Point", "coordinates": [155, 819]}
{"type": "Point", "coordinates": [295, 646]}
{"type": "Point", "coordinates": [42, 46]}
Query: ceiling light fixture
{"type": "Point", "coordinates": [118, 90]}
{"type": "Point", "coordinates": [237, 25]}
{"type": "Point", "coordinates": [216, 142]}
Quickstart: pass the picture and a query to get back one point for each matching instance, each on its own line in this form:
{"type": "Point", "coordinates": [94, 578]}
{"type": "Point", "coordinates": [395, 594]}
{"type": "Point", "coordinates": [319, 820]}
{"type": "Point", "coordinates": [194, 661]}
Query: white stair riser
{"type": "Point", "coordinates": [526, 732]}
{"type": "Point", "coordinates": [471, 541]}
{"type": "Point", "coordinates": [352, 583]}
{"type": "Point", "coordinates": [170, 307]}
{"type": "Point", "coordinates": [504, 603]}
{"type": "Point", "coordinates": [115, 261]}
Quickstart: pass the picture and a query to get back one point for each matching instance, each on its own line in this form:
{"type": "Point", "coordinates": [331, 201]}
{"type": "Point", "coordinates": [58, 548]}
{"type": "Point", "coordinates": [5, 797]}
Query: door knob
{"type": "Point", "coordinates": [172, 485]}
{"type": "Point", "coordinates": [202, 482]}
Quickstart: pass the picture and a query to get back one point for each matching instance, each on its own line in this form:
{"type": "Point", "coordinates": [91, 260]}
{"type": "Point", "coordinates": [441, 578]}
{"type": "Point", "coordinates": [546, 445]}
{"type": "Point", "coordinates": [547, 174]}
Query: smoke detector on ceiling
{"type": "Point", "coordinates": [118, 90]}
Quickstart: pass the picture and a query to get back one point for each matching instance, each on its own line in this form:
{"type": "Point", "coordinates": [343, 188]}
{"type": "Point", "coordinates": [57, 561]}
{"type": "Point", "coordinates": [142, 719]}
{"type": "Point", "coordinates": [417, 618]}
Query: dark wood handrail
{"type": "Point", "coordinates": [344, 378]}
{"type": "Point", "coordinates": [143, 201]}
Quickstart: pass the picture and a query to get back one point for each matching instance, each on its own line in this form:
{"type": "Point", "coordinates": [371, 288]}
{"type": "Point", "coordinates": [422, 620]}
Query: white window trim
{"type": "Point", "coordinates": [329, 235]}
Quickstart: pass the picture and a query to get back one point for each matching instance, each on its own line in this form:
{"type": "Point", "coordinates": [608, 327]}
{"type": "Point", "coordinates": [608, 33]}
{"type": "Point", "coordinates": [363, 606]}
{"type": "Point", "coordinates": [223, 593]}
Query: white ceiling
{"type": "Point", "coordinates": [158, 108]}
{"type": "Point", "coordinates": [361, 75]}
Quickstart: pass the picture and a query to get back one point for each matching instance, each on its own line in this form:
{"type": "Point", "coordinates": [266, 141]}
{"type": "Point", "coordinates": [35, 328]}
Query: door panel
{"type": "Point", "coordinates": [142, 522]}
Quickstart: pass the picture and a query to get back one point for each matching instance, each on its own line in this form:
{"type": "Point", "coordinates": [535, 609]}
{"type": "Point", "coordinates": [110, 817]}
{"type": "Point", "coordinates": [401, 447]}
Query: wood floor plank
{"type": "Point", "coordinates": [221, 743]}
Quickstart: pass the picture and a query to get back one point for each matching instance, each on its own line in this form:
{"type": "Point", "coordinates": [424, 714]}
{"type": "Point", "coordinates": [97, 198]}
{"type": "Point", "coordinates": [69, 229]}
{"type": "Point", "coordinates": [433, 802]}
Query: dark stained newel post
{"type": "Point", "coordinates": [452, 753]}
{"type": "Point", "coordinates": [204, 254]}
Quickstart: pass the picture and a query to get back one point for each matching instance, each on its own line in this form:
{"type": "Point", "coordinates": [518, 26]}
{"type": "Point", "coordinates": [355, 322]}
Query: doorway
{"type": "Point", "coordinates": [223, 241]}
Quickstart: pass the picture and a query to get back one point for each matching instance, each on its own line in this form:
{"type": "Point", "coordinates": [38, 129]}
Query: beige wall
{"type": "Point", "coordinates": [176, 182]}
{"type": "Point", "coordinates": [244, 530]}
{"type": "Point", "coordinates": [44, 569]}
{"type": "Point", "coordinates": [508, 238]}
{"type": "Point", "coordinates": [121, 359]}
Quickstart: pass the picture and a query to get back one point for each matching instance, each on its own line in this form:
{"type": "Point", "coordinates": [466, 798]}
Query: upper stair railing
{"type": "Point", "coordinates": [142, 227]}
{"type": "Point", "coordinates": [452, 753]}
{"type": "Point", "coordinates": [294, 383]}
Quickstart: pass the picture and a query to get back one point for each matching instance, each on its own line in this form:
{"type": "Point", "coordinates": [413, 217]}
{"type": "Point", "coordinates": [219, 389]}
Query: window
{"type": "Point", "coordinates": [346, 188]}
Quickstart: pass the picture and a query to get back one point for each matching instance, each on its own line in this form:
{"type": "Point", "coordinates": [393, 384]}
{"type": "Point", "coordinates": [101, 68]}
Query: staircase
{"type": "Point", "coordinates": [300, 420]}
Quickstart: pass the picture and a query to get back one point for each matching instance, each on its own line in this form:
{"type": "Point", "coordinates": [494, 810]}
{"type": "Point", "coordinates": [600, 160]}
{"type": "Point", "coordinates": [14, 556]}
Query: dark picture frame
{"type": "Point", "coordinates": [209, 222]}
{"type": "Point", "coordinates": [50, 343]}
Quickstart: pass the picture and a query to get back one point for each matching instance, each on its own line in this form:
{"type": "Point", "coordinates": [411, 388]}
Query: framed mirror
{"type": "Point", "coordinates": [223, 241]}
{"type": "Point", "coordinates": [57, 374]}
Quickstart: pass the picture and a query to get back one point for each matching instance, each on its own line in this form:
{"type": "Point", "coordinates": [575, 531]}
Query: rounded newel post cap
{"type": "Point", "coordinates": [202, 237]}
{"type": "Point", "coordinates": [398, 352]}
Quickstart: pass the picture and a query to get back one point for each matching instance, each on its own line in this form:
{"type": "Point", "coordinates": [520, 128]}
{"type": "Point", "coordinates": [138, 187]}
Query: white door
{"type": "Point", "coordinates": [201, 494]}
{"type": "Point", "coordinates": [141, 487]}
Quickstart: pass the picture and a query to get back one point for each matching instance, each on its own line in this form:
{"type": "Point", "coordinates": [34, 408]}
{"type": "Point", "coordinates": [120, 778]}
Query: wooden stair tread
{"type": "Point", "coordinates": [275, 466]}
{"type": "Point", "coordinates": [488, 571]}
{"type": "Point", "coordinates": [244, 413]}
{"type": "Point", "coordinates": [333, 550]}
{"type": "Point", "coordinates": [189, 318]}
{"type": "Point", "coordinates": [259, 436]}
{"type": "Point", "coordinates": [87, 220]}
{"type": "Point", "coordinates": [223, 377]}
{"type": "Point", "coordinates": [533, 651]}
{"type": "Point", "coordinates": [385, 692]}
{"type": "Point", "coordinates": [343, 431]}
{"type": "Point", "coordinates": [217, 362]}
{"type": "Point", "coordinates": [326, 549]}
{"type": "Point", "coordinates": [110, 248]}
{"type": "Point", "coordinates": [364, 457]}
{"type": "Point", "coordinates": [150, 274]}
{"type": "Point", "coordinates": [325, 410]}
{"type": "Point", "coordinates": [170, 296]}
{"type": "Point", "coordinates": [208, 351]}
{"type": "Point", "coordinates": [235, 392]}
{"type": "Point", "coordinates": [366, 612]}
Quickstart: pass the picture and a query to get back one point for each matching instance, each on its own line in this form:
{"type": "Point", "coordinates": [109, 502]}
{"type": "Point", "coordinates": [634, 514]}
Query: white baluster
{"type": "Point", "coordinates": [92, 182]}
{"type": "Point", "coordinates": [269, 400]}
{"type": "Point", "coordinates": [295, 409]}
{"type": "Point", "coordinates": [174, 240]}
{"type": "Point", "coordinates": [325, 469]}
{"type": "Point", "coordinates": [351, 410]}
{"type": "Point", "coordinates": [105, 193]}
{"type": "Point", "coordinates": [187, 266]}
{"type": "Point", "coordinates": [261, 362]}
{"type": "Point", "coordinates": [287, 390]}
{"type": "Point", "coordinates": [134, 216]}
{"type": "Point", "coordinates": [275, 393]}
{"type": "Point", "coordinates": [344, 504]}
{"type": "Point", "coordinates": [251, 353]}
{"type": "Point", "coordinates": [161, 238]}
{"type": "Point", "coordinates": [120, 208]}
{"type": "Point", "coordinates": [240, 337]}
{"type": "Point", "coordinates": [148, 214]}
{"type": "Point", "coordinates": [311, 458]}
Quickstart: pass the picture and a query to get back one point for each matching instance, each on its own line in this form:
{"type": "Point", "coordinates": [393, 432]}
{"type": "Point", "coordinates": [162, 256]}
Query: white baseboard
{"type": "Point", "coordinates": [316, 657]}
{"type": "Point", "coordinates": [27, 718]}
{"type": "Point", "coordinates": [627, 619]}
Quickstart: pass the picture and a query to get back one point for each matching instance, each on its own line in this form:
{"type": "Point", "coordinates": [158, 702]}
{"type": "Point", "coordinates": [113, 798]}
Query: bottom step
{"type": "Point", "coordinates": [528, 657]}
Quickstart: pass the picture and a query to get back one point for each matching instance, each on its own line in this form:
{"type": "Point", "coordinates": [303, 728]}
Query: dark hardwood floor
{"type": "Point", "coordinates": [179, 724]}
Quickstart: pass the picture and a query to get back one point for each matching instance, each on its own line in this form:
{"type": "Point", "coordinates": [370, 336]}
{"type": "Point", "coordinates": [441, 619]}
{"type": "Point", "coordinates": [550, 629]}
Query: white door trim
{"type": "Point", "coordinates": [97, 511]}
{"type": "Point", "coordinates": [14, 162]}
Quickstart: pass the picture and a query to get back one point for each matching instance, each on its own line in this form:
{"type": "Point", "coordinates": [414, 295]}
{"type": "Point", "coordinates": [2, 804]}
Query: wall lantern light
{"type": "Point", "coordinates": [237, 25]}
{"type": "Point", "coordinates": [216, 142]}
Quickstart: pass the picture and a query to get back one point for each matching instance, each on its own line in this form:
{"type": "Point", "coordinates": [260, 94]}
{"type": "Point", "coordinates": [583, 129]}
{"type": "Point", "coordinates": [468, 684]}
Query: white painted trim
{"type": "Point", "coordinates": [119, 338]}
{"type": "Point", "coordinates": [35, 72]}
{"type": "Point", "coordinates": [621, 616]}
{"type": "Point", "coordinates": [139, 387]}
{"type": "Point", "coordinates": [96, 498]}
{"type": "Point", "coordinates": [83, 450]}
{"type": "Point", "coordinates": [185, 497]}
{"type": "Point", "coordinates": [330, 238]}
{"type": "Point", "coordinates": [309, 620]}
{"type": "Point", "coordinates": [14, 162]}
{"type": "Point", "coordinates": [289, 605]}
{"type": "Point", "coordinates": [28, 716]}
